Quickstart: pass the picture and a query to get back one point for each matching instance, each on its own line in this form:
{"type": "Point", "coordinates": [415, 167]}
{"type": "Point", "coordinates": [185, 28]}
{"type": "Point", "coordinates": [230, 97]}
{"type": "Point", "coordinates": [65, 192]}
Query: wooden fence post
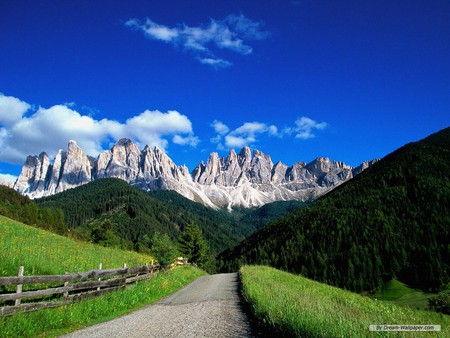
{"type": "Point", "coordinates": [100, 266]}
{"type": "Point", "coordinates": [151, 272]}
{"type": "Point", "coordinates": [19, 287]}
{"type": "Point", "coordinates": [66, 294]}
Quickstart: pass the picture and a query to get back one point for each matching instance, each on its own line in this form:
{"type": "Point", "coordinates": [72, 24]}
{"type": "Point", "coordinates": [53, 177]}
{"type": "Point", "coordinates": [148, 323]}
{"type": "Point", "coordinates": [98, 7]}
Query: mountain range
{"type": "Point", "coordinates": [243, 179]}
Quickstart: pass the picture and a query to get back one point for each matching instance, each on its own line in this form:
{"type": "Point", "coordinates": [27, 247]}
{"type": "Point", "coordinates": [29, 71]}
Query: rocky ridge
{"type": "Point", "coordinates": [243, 179]}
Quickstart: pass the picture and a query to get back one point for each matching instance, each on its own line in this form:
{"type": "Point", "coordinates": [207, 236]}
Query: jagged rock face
{"type": "Point", "coordinates": [34, 174]}
{"type": "Point", "coordinates": [76, 169]}
{"type": "Point", "coordinates": [55, 174]}
{"type": "Point", "coordinates": [27, 175]}
{"type": "Point", "coordinates": [124, 161]}
{"type": "Point", "coordinates": [235, 180]}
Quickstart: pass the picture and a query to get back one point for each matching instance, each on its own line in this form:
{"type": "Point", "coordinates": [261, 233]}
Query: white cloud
{"type": "Point", "coordinates": [216, 63]}
{"type": "Point", "coordinates": [153, 30]}
{"type": "Point", "coordinates": [250, 132]}
{"type": "Point", "coordinates": [248, 28]}
{"type": "Point", "coordinates": [236, 141]}
{"type": "Point", "coordinates": [49, 129]}
{"type": "Point", "coordinates": [242, 136]}
{"type": "Point", "coordinates": [188, 140]}
{"type": "Point", "coordinates": [251, 128]}
{"type": "Point", "coordinates": [273, 131]}
{"type": "Point", "coordinates": [205, 41]}
{"type": "Point", "coordinates": [11, 109]}
{"type": "Point", "coordinates": [219, 127]}
{"type": "Point", "coordinates": [246, 134]}
{"type": "Point", "coordinates": [7, 179]}
{"type": "Point", "coordinates": [305, 127]}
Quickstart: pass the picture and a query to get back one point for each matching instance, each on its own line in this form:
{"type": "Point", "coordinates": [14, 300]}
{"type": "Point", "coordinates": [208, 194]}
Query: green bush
{"type": "Point", "coordinates": [440, 303]}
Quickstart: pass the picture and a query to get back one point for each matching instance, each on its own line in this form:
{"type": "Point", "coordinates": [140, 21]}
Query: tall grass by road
{"type": "Point", "coordinates": [291, 305]}
{"type": "Point", "coordinates": [56, 321]}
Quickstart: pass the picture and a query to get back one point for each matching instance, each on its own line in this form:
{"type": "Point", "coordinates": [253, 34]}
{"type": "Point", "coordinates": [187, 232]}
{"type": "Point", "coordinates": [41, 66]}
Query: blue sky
{"type": "Point", "coordinates": [348, 80]}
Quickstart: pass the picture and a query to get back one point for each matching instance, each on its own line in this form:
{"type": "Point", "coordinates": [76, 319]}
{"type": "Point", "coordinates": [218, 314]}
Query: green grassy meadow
{"type": "Point", "coordinates": [291, 305]}
{"type": "Point", "coordinates": [400, 294]}
{"type": "Point", "coordinates": [45, 253]}
{"type": "Point", "coordinates": [42, 252]}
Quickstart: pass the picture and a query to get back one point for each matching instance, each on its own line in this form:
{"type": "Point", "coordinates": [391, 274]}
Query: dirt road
{"type": "Point", "coordinates": [208, 307]}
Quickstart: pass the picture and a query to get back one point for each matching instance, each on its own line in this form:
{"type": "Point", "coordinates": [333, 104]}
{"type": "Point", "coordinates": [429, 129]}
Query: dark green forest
{"type": "Point", "coordinates": [113, 213]}
{"type": "Point", "coordinates": [391, 221]}
{"type": "Point", "coordinates": [133, 216]}
{"type": "Point", "coordinates": [22, 209]}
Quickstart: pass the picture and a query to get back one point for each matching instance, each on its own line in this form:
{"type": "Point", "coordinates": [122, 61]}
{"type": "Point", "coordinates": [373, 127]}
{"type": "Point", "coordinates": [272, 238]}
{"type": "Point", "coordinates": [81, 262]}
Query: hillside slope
{"type": "Point", "coordinates": [288, 305]}
{"type": "Point", "coordinates": [46, 253]}
{"type": "Point", "coordinates": [392, 220]}
{"type": "Point", "coordinates": [136, 215]}
{"type": "Point", "coordinates": [21, 208]}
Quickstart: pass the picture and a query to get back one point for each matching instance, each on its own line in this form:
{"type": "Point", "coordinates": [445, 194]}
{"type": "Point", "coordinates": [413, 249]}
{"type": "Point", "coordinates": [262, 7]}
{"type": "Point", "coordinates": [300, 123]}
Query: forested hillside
{"type": "Point", "coordinates": [22, 209]}
{"type": "Point", "coordinates": [392, 220]}
{"type": "Point", "coordinates": [114, 213]}
{"type": "Point", "coordinates": [131, 216]}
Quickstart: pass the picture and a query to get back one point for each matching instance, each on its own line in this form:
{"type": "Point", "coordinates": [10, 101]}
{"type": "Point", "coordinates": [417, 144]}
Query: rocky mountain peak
{"type": "Point", "coordinates": [243, 179]}
{"type": "Point", "coordinates": [232, 156]}
{"type": "Point", "coordinates": [147, 150]}
{"type": "Point", "coordinates": [124, 142]}
{"type": "Point", "coordinates": [43, 156]}
{"type": "Point", "coordinates": [244, 158]}
{"type": "Point", "coordinates": [76, 169]}
{"type": "Point", "coordinates": [72, 145]}
{"type": "Point", "coordinates": [31, 161]}
{"type": "Point", "coordinates": [245, 154]}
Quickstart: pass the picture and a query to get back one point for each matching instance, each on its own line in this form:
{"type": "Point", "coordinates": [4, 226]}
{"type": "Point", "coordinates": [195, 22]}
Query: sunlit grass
{"type": "Point", "coordinates": [292, 305]}
{"type": "Point", "coordinates": [53, 322]}
{"type": "Point", "coordinates": [400, 294]}
{"type": "Point", "coordinates": [45, 253]}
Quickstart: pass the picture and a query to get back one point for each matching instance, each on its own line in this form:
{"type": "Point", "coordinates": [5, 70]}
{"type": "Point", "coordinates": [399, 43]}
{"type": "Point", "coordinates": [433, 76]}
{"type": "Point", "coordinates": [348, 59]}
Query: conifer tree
{"type": "Point", "coordinates": [193, 246]}
{"type": "Point", "coordinates": [163, 249]}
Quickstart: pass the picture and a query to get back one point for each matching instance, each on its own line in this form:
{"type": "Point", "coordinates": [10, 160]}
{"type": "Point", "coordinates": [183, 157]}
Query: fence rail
{"type": "Point", "coordinates": [77, 286]}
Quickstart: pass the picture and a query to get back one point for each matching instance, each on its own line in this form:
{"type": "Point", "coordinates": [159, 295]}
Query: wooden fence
{"type": "Point", "coordinates": [75, 287]}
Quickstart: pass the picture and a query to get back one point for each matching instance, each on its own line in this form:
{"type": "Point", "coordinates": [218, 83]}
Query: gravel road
{"type": "Point", "coordinates": [208, 307]}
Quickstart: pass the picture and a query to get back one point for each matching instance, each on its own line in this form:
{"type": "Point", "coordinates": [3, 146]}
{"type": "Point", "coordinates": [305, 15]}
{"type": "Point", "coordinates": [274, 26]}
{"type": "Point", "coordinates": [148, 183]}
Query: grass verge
{"type": "Point", "coordinates": [54, 322]}
{"type": "Point", "coordinates": [290, 305]}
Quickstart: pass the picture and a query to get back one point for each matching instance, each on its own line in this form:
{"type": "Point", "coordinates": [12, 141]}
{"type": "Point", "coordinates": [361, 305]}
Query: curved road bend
{"type": "Point", "coordinates": [208, 307]}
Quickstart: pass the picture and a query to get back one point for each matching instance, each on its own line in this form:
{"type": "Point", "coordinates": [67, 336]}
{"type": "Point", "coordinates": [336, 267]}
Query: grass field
{"type": "Point", "coordinates": [42, 252]}
{"type": "Point", "coordinates": [399, 293]}
{"type": "Point", "coordinates": [45, 253]}
{"type": "Point", "coordinates": [291, 305]}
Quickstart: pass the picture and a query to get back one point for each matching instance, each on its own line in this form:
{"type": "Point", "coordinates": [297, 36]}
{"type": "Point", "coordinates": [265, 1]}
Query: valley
{"type": "Point", "coordinates": [225, 168]}
{"type": "Point", "coordinates": [369, 235]}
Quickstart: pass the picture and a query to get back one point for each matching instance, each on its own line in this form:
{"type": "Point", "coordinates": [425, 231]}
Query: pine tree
{"type": "Point", "coordinates": [163, 249]}
{"type": "Point", "coordinates": [193, 246]}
